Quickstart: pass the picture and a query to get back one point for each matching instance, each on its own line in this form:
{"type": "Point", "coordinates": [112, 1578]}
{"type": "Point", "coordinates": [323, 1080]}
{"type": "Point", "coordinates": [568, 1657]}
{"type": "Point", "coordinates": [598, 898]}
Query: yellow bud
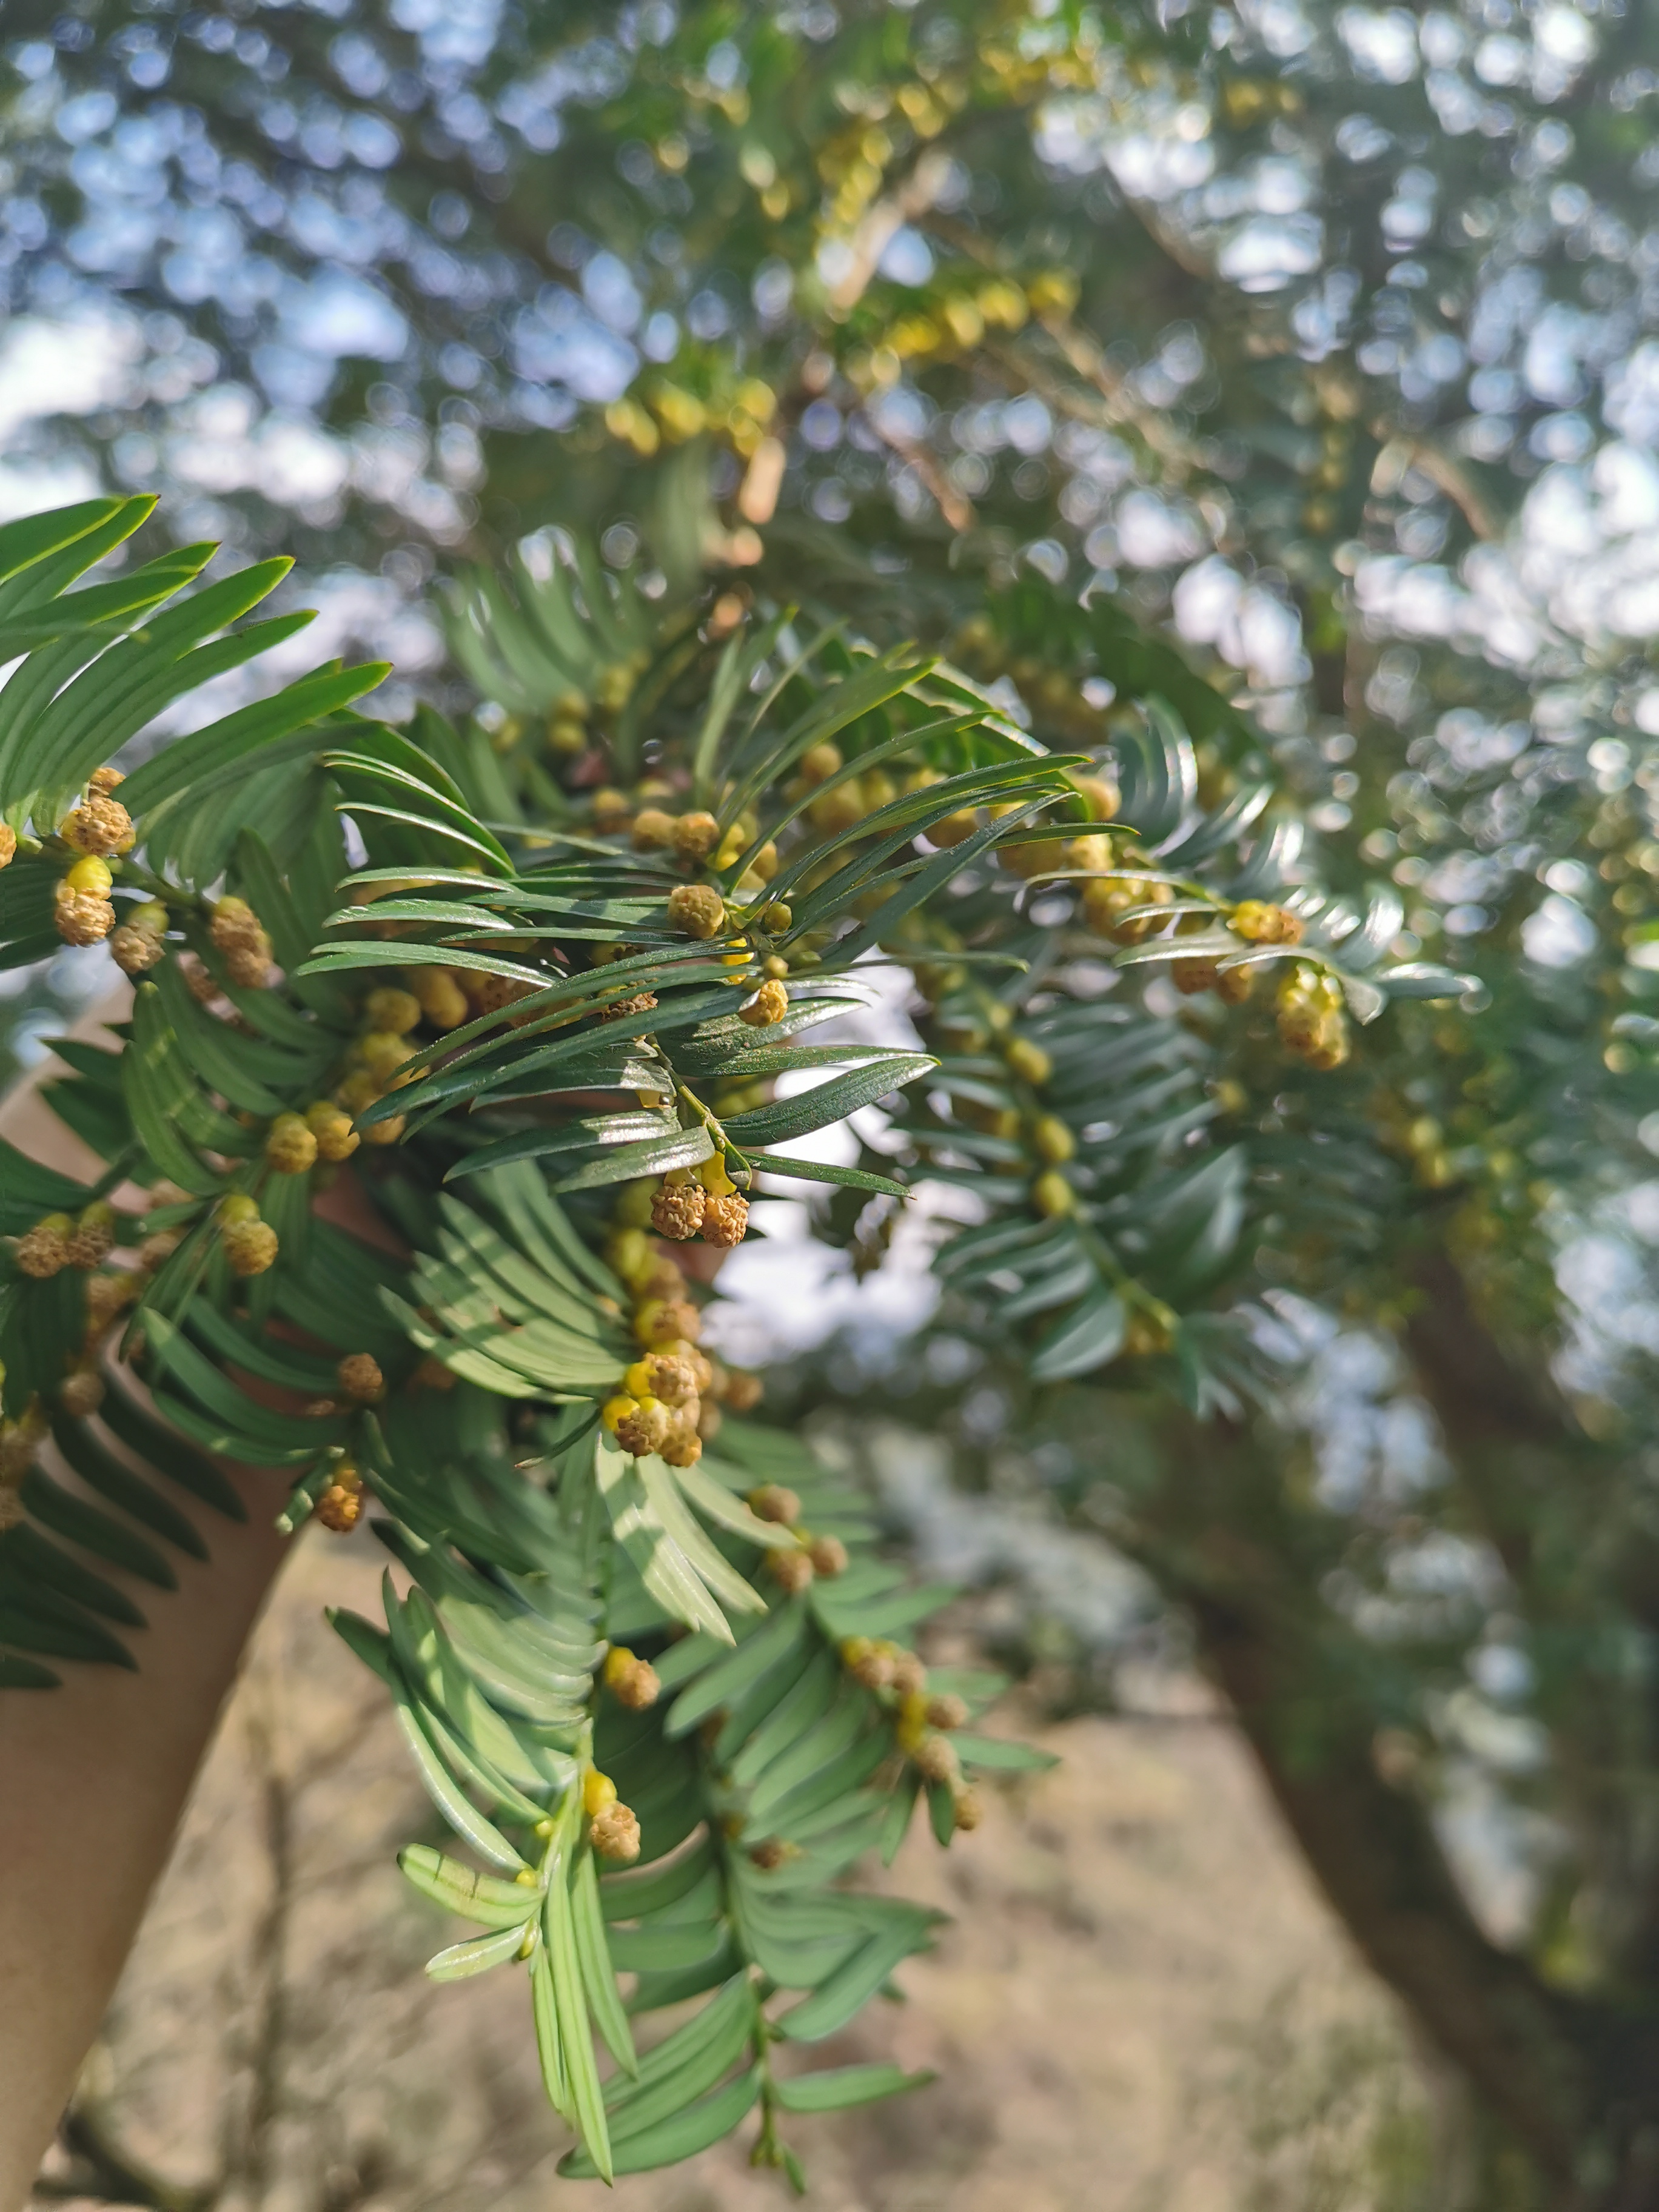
{"type": "Point", "coordinates": [359, 1090]}
{"type": "Point", "coordinates": [598, 1790]}
{"type": "Point", "coordinates": [631, 1256]}
{"type": "Point", "coordinates": [768, 1004]}
{"type": "Point", "coordinates": [913, 1719]}
{"type": "Point", "coordinates": [91, 877]}
{"type": "Point", "coordinates": [1028, 1060]}
{"type": "Point", "coordinates": [392, 1011]}
{"type": "Point", "coordinates": [695, 835]}
{"type": "Point", "coordinates": [632, 1208]}
{"type": "Point", "coordinates": [251, 1246]}
{"type": "Point", "coordinates": [335, 1137]}
{"type": "Point", "coordinates": [1052, 1195]}
{"type": "Point", "coordinates": [43, 1251]}
{"type": "Point", "coordinates": [1098, 794]}
{"type": "Point", "coordinates": [836, 810]}
{"type": "Point", "coordinates": [1260, 922]}
{"type": "Point", "coordinates": [1054, 1141]}
{"type": "Point", "coordinates": [291, 1145]}
{"type": "Point", "coordinates": [696, 910]}
{"type": "Point", "coordinates": [441, 998]}
{"type": "Point", "coordinates": [383, 1052]}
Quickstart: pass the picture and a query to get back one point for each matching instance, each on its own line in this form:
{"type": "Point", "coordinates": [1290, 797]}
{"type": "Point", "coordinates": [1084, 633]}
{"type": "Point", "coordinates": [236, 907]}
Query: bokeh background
{"type": "Point", "coordinates": [1321, 338]}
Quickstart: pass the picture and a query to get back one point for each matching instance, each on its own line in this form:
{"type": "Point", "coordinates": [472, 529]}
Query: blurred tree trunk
{"type": "Point", "coordinates": [1566, 2086]}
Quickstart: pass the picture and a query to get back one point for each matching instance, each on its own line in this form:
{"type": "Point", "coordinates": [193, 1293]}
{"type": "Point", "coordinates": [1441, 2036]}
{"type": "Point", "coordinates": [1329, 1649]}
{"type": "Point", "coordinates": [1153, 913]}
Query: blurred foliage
{"type": "Point", "coordinates": [1316, 339]}
{"type": "Point", "coordinates": [1242, 256]}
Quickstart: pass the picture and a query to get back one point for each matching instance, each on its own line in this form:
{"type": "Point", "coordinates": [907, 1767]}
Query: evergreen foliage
{"type": "Point", "coordinates": [530, 1410]}
{"type": "Point", "coordinates": [1011, 330]}
{"type": "Point", "coordinates": [510, 1366]}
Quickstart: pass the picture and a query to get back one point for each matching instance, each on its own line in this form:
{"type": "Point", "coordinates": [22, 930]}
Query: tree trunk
{"type": "Point", "coordinates": [1571, 2081]}
{"type": "Point", "coordinates": [1374, 1854]}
